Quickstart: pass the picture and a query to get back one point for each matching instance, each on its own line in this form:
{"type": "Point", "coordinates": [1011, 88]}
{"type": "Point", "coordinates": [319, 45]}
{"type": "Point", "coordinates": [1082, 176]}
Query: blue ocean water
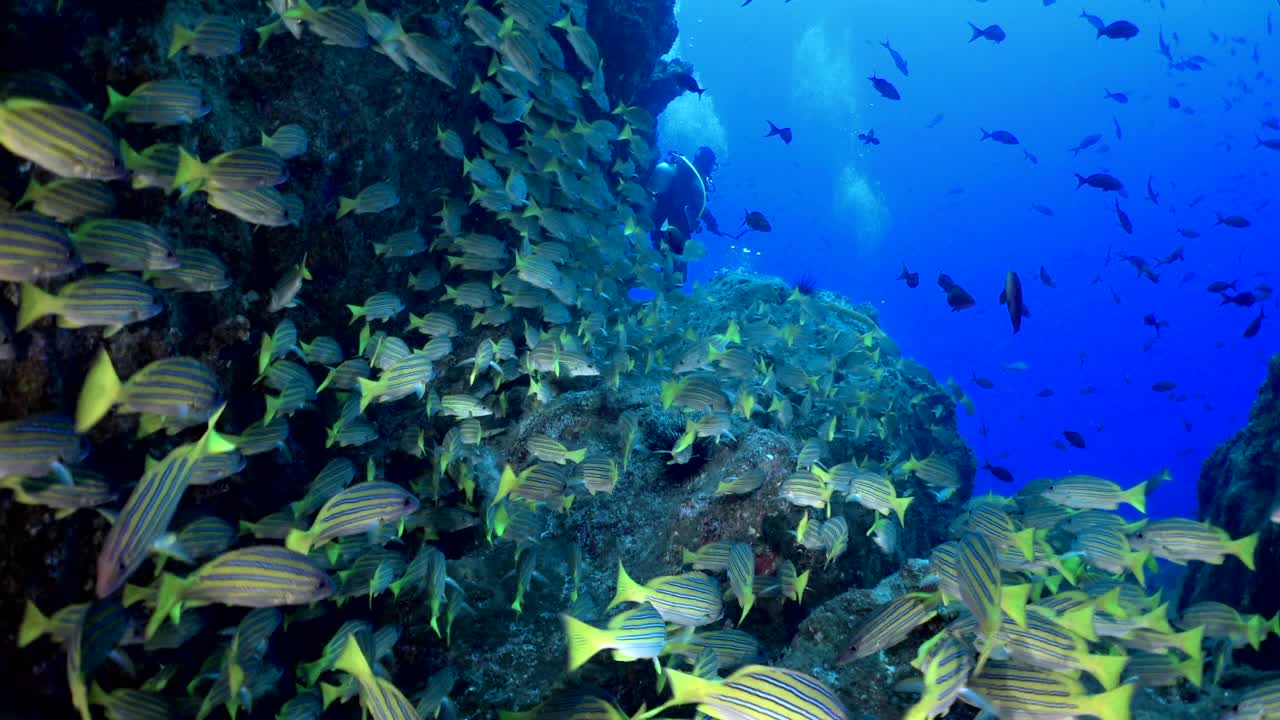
{"type": "Point", "coordinates": [940, 200]}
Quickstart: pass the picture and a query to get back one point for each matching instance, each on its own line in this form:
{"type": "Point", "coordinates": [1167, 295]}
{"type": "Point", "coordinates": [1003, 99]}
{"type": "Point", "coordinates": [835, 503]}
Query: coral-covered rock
{"type": "Point", "coordinates": [1239, 486]}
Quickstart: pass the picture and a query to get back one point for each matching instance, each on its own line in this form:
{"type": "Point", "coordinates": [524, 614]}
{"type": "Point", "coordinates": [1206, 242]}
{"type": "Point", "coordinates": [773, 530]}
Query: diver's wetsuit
{"type": "Point", "coordinates": [680, 205]}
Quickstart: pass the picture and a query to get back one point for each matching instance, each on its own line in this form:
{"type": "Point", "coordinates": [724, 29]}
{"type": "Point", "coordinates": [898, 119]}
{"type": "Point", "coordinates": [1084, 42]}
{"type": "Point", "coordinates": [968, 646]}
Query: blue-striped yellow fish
{"type": "Point", "coordinates": [158, 102]}
{"type": "Point", "coordinates": [691, 600]}
{"type": "Point", "coordinates": [1181, 540]}
{"type": "Point", "coordinates": [146, 514]}
{"type": "Point", "coordinates": [255, 576]}
{"type": "Point", "coordinates": [62, 140]}
{"type": "Point", "coordinates": [242, 169]}
{"type": "Point", "coordinates": [112, 300]}
{"type": "Point", "coordinates": [180, 388]}
{"type": "Point", "coordinates": [1014, 691]}
{"type": "Point", "coordinates": [39, 445]}
{"type": "Point", "coordinates": [636, 634]}
{"type": "Point", "coordinates": [69, 200]}
{"type": "Point", "coordinates": [124, 245]}
{"type": "Point", "coordinates": [34, 247]}
{"type": "Point", "coordinates": [1086, 492]}
{"type": "Point", "coordinates": [754, 692]}
{"type": "Point", "coordinates": [214, 36]}
{"type": "Point", "coordinates": [288, 141]}
{"type": "Point", "coordinates": [372, 199]}
{"type": "Point", "coordinates": [890, 624]}
{"type": "Point", "coordinates": [358, 509]}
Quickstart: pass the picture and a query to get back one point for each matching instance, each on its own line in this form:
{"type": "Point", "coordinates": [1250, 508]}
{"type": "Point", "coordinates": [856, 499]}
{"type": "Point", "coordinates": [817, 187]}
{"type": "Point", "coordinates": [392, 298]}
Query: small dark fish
{"type": "Point", "coordinates": [1074, 438]}
{"type": "Point", "coordinates": [1187, 278]}
{"type": "Point", "coordinates": [1269, 143]}
{"type": "Point", "coordinates": [1174, 103]}
{"type": "Point", "coordinates": [957, 298]}
{"type": "Point", "coordinates": [898, 60]}
{"type": "Point", "coordinates": [1115, 297]}
{"type": "Point", "coordinates": [1004, 137]}
{"type": "Point", "coordinates": [1011, 295]}
{"type": "Point", "coordinates": [1165, 49]}
{"type": "Point", "coordinates": [885, 88]}
{"type": "Point", "coordinates": [1152, 195]}
{"type": "Point", "coordinates": [1244, 299]}
{"type": "Point", "coordinates": [994, 33]}
{"type": "Point", "coordinates": [1093, 20]}
{"type": "Point", "coordinates": [1150, 321]}
{"type": "Point", "coordinates": [982, 382]}
{"type": "Point", "coordinates": [1172, 257]}
{"type": "Point", "coordinates": [1163, 385]}
{"type": "Point", "coordinates": [1119, 97]}
{"type": "Point", "coordinates": [1088, 390]}
{"type": "Point", "coordinates": [1188, 233]}
{"type": "Point", "coordinates": [1042, 209]}
{"type": "Point", "coordinates": [912, 278]}
{"type": "Point", "coordinates": [1044, 278]}
{"type": "Point", "coordinates": [933, 121]}
{"type": "Point", "coordinates": [1232, 221]}
{"type": "Point", "coordinates": [756, 220]}
{"type": "Point", "coordinates": [685, 81]}
{"type": "Point", "coordinates": [1119, 133]}
{"type": "Point", "coordinates": [1001, 474]}
{"type": "Point", "coordinates": [1101, 181]}
{"type": "Point", "coordinates": [1047, 392]}
{"type": "Point", "coordinates": [983, 431]}
{"type": "Point", "coordinates": [1123, 217]}
{"type": "Point", "coordinates": [784, 133]}
{"type": "Point", "coordinates": [1119, 30]}
{"type": "Point", "coordinates": [869, 137]}
{"type": "Point", "coordinates": [1030, 156]}
{"type": "Point", "coordinates": [1255, 325]}
{"type": "Point", "coordinates": [1086, 142]}
{"type": "Point", "coordinates": [1221, 286]}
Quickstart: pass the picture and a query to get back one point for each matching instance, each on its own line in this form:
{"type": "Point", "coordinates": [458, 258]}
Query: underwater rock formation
{"type": "Point", "coordinates": [1239, 486]}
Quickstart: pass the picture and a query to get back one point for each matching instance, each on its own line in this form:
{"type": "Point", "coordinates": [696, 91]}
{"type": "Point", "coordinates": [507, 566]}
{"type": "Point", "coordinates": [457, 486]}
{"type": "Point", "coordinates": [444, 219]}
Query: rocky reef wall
{"type": "Point", "coordinates": [1239, 488]}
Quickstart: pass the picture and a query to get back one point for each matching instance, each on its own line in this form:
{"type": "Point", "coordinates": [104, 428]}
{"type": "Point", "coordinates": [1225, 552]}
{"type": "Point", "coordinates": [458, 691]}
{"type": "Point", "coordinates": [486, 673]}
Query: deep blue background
{"type": "Point", "coordinates": [943, 201]}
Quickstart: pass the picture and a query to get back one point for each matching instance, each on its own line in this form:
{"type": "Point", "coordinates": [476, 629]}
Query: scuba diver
{"type": "Point", "coordinates": [681, 188]}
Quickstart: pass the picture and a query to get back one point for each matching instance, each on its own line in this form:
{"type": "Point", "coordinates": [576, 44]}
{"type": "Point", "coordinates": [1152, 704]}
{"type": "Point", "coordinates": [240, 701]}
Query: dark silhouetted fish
{"type": "Point", "coordinates": [1042, 209]}
{"type": "Point", "coordinates": [1255, 325]}
{"type": "Point", "coordinates": [1030, 156]}
{"type": "Point", "coordinates": [784, 133]}
{"type": "Point", "coordinates": [1152, 195]}
{"type": "Point", "coordinates": [1004, 137]}
{"type": "Point", "coordinates": [1044, 278]}
{"type": "Point", "coordinates": [957, 298]}
{"type": "Point", "coordinates": [755, 220]}
{"type": "Point", "coordinates": [1011, 296]}
{"type": "Point", "coordinates": [1119, 30]}
{"type": "Point", "coordinates": [1119, 97]}
{"type": "Point", "coordinates": [1174, 103]}
{"type": "Point", "coordinates": [1125, 223]}
{"type": "Point", "coordinates": [982, 382]}
{"type": "Point", "coordinates": [912, 278]}
{"type": "Point", "coordinates": [1086, 142]}
{"type": "Point", "coordinates": [1243, 299]}
{"type": "Point", "coordinates": [933, 121]}
{"type": "Point", "coordinates": [1172, 257]}
{"type": "Point", "coordinates": [1119, 133]}
{"type": "Point", "coordinates": [1188, 233]}
{"type": "Point", "coordinates": [994, 33]}
{"type": "Point", "coordinates": [1101, 181]}
{"type": "Point", "coordinates": [1161, 386]}
{"type": "Point", "coordinates": [1221, 286]}
{"type": "Point", "coordinates": [685, 81]}
{"type": "Point", "coordinates": [1074, 438]}
{"type": "Point", "coordinates": [898, 60]}
{"type": "Point", "coordinates": [885, 88]}
{"type": "Point", "coordinates": [1093, 20]}
{"type": "Point", "coordinates": [1232, 221]}
{"type": "Point", "coordinates": [1001, 474]}
{"type": "Point", "coordinates": [1269, 143]}
{"type": "Point", "coordinates": [869, 137]}
{"type": "Point", "coordinates": [1150, 321]}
